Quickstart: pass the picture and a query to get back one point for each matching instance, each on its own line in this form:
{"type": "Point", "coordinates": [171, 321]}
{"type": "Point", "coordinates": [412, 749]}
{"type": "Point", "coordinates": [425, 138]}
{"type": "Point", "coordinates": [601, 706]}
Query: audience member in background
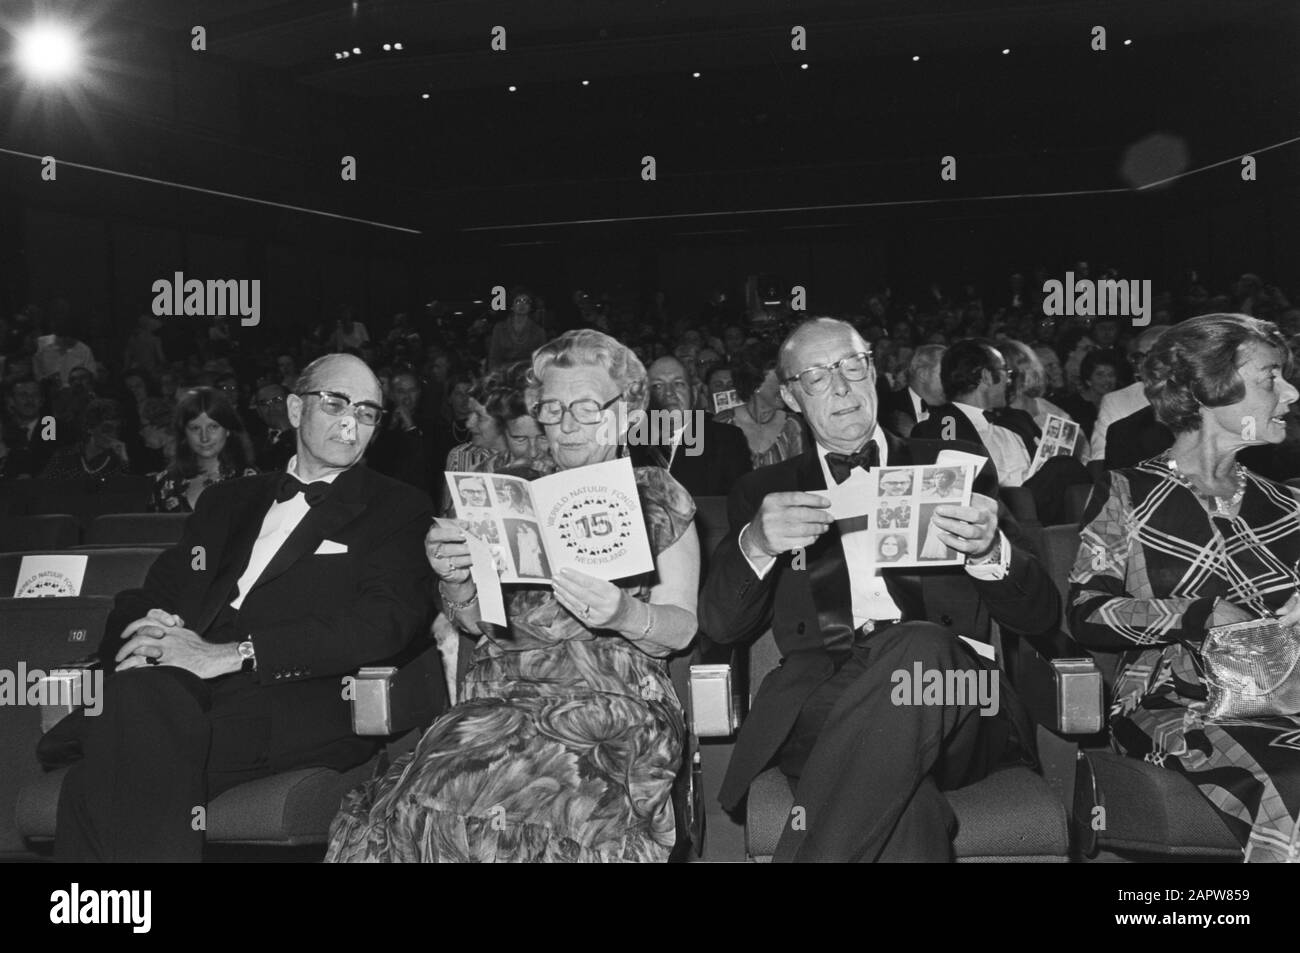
{"type": "Point", "coordinates": [720, 379]}
{"type": "Point", "coordinates": [288, 371]}
{"type": "Point", "coordinates": [1027, 390]}
{"type": "Point", "coordinates": [900, 410]}
{"type": "Point", "coordinates": [62, 353]}
{"type": "Point", "coordinates": [486, 448]}
{"type": "Point", "coordinates": [569, 721]}
{"type": "Point", "coordinates": [169, 383]}
{"type": "Point", "coordinates": [405, 446]}
{"type": "Point", "coordinates": [1125, 401]}
{"type": "Point", "coordinates": [702, 455]}
{"type": "Point", "coordinates": [977, 378]}
{"type": "Point", "coordinates": [99, 452]}
{"type": "Point", "coordinates": [688, 356]}
{"type": "Point", "coordinates": [25, 430]}
{"type": "Point", "coordinates": [517, 336]}
{"type": "Point", "coordinates": [525, 439]}
{"type": "Point", "coordinates": [275, 445]}
{"type": "Point", "coordinates": [349, 333]}
{"type": "Point", "coordinates": [1098, 375]}
{"type": "Point", "coordinates": [157, 446]}
{"type": "Point", "coordinates": [206, 430]}
{"type": "Point", "coordinates": [772, 432]}
{"type": "Point", "coordinates": [1190, 540]}
{"type": "Point", "coordinates": [144, 350]}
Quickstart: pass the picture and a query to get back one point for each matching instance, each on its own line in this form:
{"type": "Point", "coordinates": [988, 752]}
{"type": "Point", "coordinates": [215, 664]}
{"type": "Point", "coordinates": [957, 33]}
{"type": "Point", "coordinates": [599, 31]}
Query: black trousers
{"type": "Point", "coordinates": [869, 774]}
{"type": "Point", "coordinates": [165, 743]}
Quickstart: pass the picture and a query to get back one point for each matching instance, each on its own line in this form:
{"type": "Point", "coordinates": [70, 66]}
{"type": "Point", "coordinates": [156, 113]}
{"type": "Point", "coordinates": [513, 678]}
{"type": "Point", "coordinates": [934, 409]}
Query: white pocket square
{"type": "Point", "coordinates": [330, 548]}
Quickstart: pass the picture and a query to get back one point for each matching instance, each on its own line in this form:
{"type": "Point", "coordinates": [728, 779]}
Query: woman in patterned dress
{"type": "Point", "coordinates": [569, 736]}
{"type": "Point", "coordinates": [773, 431]}
{"type": "Point", "coordinates": [1189, 540]}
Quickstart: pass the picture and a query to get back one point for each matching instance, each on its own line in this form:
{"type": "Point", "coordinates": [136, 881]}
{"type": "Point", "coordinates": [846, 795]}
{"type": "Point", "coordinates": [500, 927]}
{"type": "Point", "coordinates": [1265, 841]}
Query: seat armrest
{"type": "Point", "coordinates": [387, 700]}
{"type": "Point", "coordinates": [1063, 694]}
{"type": "Point", "coordinates": [713, 706]}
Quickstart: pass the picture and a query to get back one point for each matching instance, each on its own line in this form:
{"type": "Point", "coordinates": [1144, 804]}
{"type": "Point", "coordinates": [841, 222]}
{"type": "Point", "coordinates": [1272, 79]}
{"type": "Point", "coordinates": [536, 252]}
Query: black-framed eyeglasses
{"type": "Point", "coordinates": [587, 411]}
{"type": "Point", "coordinates": [816, 380]}
{"type": "Point", "coordinates": [335, 404]}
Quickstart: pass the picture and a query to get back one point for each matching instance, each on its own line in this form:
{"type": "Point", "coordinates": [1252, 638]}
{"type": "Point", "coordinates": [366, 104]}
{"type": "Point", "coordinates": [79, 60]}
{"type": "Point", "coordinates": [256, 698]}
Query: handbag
{"type": "Point", "coordinates": [1251, 670]}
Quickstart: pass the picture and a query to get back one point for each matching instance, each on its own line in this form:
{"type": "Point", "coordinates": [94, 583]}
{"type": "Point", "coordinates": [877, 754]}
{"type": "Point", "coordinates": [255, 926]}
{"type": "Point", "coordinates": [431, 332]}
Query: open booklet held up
{"type": "Point", "coordinates": [588, 519]}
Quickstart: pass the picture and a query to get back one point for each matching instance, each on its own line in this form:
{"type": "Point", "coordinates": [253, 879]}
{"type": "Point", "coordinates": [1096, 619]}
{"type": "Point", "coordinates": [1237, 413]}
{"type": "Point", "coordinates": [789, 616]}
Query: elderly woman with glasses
{"type": "Point", "coordinates": [568, 736]}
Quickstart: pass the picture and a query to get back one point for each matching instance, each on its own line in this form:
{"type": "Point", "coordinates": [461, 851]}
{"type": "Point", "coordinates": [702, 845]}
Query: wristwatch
{"type": "Point", "coordinates": [249, 655]}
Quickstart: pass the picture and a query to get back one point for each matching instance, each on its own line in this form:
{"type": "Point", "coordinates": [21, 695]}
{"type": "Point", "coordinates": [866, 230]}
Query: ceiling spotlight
{"type": "Point", "coordinates": [586, 82]}
{"type": "Point", "coordinates": [47, 52]}
{"type": "Point", "coordinates": [916, 59]}
{"type": "Point", "coordinates": [1128, 42]}
{"type": "Point", "coordinates": [388, 47]}
{"type": "Point", "coordinates": [397, 46]}
{"type": "Point", "coordinates": [424, 95]}
{"type": "Point", "coordinates": [338, 56]}
{"type": "Point", "coordinates": [356, 50]}
{"type": "Point", "coordinates": [513, 88]}
{"type": "Point", "coordinates": [344, 55]}
{"type": "Point", "coordinates": [1005, 52]}
{"type": "Point", "coordinates": [696, 75]}
{"type": "Point", "coordinates": [803, 65]}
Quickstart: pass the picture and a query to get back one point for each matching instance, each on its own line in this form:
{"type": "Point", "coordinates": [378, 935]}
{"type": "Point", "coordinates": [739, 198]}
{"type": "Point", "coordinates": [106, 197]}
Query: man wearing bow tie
{"type": "Point", "coordinates": [869, 773]}
{"type": "Point", "coordinates": [230, 660]}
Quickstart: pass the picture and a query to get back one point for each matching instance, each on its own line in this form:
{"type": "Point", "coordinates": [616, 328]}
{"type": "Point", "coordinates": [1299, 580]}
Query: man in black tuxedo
{"type": "Point", "coordinates": [901, 410]}
{"type": "Point", "coordinates": [977, 379]}
{"type": "Point", "coordinates": [23, 432]}
{"type": "Point", "coordinates": [276, 441]}
{"type": "Point", "coordinates": [230, 660]}
{"type": "Point", "coordinates": [705, 457]}
{"type": "Point", "coordinates": [870, 773]}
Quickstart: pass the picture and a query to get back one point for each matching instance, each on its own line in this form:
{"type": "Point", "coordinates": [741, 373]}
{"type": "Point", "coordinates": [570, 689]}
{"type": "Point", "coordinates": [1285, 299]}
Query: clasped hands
{"type": "Point", "coordinates": [160, 638]}
{"type": "Point", "coordinates": [795, 520]}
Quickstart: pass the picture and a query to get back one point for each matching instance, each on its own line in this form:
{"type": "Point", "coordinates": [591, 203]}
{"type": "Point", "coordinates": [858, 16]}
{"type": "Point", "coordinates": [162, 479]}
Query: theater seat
{"type": "Point", "coordinates": [1012, 816]}
{"type": "Point", "coordinates": [291, 809]}
{"type": "Point", "coordinates": [1147, 810]}
{"type": "Point", "coordinates": [108, 571]}
{"type": "Point", "coordinates": [136, 529]}
{"type": "Point", "coordinates": [50, 531]}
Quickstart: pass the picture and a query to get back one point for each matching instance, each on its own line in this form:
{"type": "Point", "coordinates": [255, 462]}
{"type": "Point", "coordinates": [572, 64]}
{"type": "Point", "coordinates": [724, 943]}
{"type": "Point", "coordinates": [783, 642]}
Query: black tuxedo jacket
{"type": "Point", "coordinates": [809, 610]}
{"type": "Point", "coordinates": [896, 413]}
{"type": "Point", "coordinates": [313, 618]}
{"type": "Point", "coordinates": [723, 459]}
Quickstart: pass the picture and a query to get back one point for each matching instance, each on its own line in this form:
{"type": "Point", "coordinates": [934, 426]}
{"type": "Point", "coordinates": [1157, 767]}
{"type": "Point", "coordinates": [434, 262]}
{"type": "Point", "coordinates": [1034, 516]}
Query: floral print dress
{"type": "Point", "coordinates": [565, 746]}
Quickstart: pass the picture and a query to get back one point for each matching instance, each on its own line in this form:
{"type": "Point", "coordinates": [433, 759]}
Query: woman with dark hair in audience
{"type": "Point", "coordinates": [1192, 539]}
{"type": "Point", "coordinates": [99, 453]}
{"type": "Point", "coordinates": [526, 441]}
{"type": "Point", "coordinates": [209, 450]}
{"type": "Point", "coordinates": [568, 738]}
{"type": "Point", "coordinates": [773, 432]}
{"type": "Point", "coordinates": [1099, 373]}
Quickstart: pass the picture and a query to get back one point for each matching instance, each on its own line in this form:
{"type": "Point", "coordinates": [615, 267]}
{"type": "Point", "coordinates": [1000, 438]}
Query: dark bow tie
{"type": "Point", "coordinates": [290, 486]}
{"type": "Point", "coordinates": [842, 464]}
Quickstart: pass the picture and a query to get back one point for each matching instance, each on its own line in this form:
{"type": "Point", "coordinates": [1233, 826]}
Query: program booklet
{"type": "Point", "coordinates": [588, 519]}
{"type": "Point", "coordinates": [1059, 437]}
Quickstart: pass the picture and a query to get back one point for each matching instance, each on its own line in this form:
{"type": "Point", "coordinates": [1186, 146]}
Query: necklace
{"type": "Point", "coordinates": [1223, 505]}
{"type": "Point", "coordinates": [108, 458]}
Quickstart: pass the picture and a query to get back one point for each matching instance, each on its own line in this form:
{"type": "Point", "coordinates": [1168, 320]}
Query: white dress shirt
{"type": "Point", "coordinates": [1114, 406]}
{"type": "Point", "coordinates": [1004, 446]}
{"type": "Point", "coordinates": [280, 521]}
{"type": "Point", "coordinates": [869, 596]}
{"type": "Point", "coordinates": [919, 412]}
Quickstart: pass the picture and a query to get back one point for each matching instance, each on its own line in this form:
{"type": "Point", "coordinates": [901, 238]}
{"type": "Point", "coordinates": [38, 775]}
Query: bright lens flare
{"type": "Point", "coordinates": [47, 52]}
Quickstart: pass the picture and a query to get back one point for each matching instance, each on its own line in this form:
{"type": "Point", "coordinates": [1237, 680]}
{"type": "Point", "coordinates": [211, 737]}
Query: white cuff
{"type": "Point", "coordinates": [995, 569]}
{"type": "Point", "coordinates": [765, 562]}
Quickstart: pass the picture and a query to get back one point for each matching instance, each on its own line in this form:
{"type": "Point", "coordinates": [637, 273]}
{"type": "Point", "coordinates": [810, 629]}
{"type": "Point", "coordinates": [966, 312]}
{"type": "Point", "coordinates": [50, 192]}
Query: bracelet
{"type": "Point", "coordinates": [649, 621]}
{"type": "Point", "coordinates": [455, 606]}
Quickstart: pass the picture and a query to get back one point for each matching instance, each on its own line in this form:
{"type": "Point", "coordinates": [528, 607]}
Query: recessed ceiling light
{"type": "Point", "coordinates": [424, 95]}
{"type": "Point", "coordinates": [1128, 42]}
{"type": "Point", "coordinates": [803, 65]}
{"type": "Point", "coordinates": [586, 82]}
{"type": "Point", "coordinates": [916, 59]}
{"type": "Point", "coordinates": [513, 88]}
{"type": "Point", "coordinates": [387, 47]}
{"type": "Point", "coordinates": [397, 46]}
{"type": "Point", "coordinates": [344, 55]}
{"type": "Point", "coordinates": [1005, 52]}
{"type": "Point", "coordinates": [356, 50]}
{"type": "Point", "coordinates": [696, 75]}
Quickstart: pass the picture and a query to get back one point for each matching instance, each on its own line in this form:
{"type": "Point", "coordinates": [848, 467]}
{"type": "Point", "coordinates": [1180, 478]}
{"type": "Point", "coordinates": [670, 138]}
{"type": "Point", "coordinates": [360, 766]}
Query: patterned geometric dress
{"type": "Point", "coordinates": [564, 747]}
{"type": "Point", "coordinates": [1151, 561]}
